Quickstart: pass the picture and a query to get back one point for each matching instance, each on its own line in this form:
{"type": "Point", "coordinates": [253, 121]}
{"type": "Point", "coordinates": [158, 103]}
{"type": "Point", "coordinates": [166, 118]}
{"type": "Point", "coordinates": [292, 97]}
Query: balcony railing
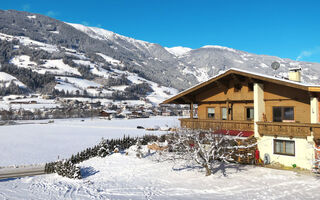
{"type": "Point", "coordinates": [300, 130]}
{"type": "Point", "coordinates": [288, 129]}
{"type": "Point", "coordinates": [284, 129]}
{"type": "Point", "coordinates": [210, 124]}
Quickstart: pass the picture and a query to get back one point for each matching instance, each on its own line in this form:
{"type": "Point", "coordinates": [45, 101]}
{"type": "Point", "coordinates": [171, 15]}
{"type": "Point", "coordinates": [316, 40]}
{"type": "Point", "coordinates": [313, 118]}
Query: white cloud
{"type": "Point", "coordinates": [51, 13]}
{"type": "Point", "coordinates": [26, 7]}
{"type": "Point", "coordinates": [308, 53]}
{"type": "Point", "coordinates": [85, 23]}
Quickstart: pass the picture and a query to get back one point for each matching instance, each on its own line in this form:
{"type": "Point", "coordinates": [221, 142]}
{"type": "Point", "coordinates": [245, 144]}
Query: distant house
{"type": "Point", "coordinates": [126, 113]}
{"type": "Point", "coordinates": [167, 113]}
{"type": "Point", "coordinates": [108, 113]}
{"type": "Point", "coordinates": [282, 114]}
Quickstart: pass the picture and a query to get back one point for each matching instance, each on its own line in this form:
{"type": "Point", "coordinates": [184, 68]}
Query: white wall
{"type": "Point", "coordinates": [304, 151]}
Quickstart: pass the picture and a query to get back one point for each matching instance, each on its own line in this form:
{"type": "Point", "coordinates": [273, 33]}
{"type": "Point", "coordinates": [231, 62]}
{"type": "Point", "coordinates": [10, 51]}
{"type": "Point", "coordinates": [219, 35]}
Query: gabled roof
{"type": "Point", "coordinates": [253, 75]}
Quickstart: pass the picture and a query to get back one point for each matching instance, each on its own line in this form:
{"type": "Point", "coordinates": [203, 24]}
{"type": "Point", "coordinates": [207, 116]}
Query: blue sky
{"type": "Point", "coordinates": [288, 29]}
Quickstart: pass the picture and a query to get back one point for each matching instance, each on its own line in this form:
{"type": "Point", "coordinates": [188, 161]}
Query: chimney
{"type": "Point", "coordinates": [295, 74]}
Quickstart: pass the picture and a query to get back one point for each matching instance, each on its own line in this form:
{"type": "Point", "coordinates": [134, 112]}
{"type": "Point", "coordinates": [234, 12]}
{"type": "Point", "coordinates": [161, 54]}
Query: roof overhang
{"type": "Point", "coordinates": [184, 97]}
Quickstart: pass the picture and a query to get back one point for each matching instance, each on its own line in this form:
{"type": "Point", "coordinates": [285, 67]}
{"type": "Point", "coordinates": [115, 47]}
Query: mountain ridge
{"type": "Point", "coordinates": [98, 54]}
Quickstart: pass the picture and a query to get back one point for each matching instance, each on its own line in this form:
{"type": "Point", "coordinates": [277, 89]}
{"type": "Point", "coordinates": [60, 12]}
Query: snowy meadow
{"type": "Point", "coordinates": [124, 175]}
{"type": "Point", "coordinates": [40, 143]}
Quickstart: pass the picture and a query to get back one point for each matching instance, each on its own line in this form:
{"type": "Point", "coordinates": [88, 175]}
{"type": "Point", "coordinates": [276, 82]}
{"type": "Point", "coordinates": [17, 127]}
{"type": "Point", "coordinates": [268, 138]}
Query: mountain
{"type": "Point", "coordinates": [47, 55]}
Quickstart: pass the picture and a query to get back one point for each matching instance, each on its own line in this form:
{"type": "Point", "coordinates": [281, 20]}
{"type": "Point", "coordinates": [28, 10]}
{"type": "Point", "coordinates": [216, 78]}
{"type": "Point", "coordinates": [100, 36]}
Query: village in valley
{"type": "Point", "coordinates": [37, 107]}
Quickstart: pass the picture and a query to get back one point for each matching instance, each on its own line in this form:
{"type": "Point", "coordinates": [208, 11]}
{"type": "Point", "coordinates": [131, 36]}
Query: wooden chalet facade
{"type": "Point", "coordinates": [282, 114]}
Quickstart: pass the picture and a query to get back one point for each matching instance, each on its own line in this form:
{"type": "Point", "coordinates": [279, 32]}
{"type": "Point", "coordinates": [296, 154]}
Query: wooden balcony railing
{"type": "Point", "coordinates": [210, 124]}
{"type": "Point", "coordinates": [297, 130]}
{"type": "Point", "coordinates": [316, 131]}
{"type": "Point", "coordinates": [301, 130]}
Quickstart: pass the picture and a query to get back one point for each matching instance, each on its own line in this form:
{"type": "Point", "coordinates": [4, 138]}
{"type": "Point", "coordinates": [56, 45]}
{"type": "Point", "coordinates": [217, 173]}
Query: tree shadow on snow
{"type": "Point", "coordinates": [88, 171]}
{"type": "Point", "coordinates": [227, 168]}
{"type": "Point", "coordinates": [8, 179]}
{"type": "Point", "coordinates": [222, 167]}
{"type": "Point", "coordinates": [187, 167]}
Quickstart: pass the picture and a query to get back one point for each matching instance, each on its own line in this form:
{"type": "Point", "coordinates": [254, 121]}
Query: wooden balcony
{"type": "Point", "coordinates": [297, 130]}
{"type": "Point", "coordinates": [210, 124]}
{"type": "Point", "coordinates": [281, 129]}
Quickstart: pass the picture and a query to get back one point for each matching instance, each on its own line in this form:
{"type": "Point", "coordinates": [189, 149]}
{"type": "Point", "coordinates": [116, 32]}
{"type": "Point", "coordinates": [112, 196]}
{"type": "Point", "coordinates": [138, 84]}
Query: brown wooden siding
{"type": "Point", "coordinates": [217, 98]}
{"type": "Point", "coordinates": [279, 95]}
{"type": "Point", "coordinates": [274, 95]}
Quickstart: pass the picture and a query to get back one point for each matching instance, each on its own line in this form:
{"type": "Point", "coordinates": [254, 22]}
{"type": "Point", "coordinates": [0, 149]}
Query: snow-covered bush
{"type": "Point", "coordinates": [67, 169]}
{"type": "Point", "coordinates": [104, 148]}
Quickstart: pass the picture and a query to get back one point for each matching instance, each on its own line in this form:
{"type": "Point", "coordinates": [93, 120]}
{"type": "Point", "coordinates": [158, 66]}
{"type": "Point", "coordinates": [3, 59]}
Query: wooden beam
{"type": "Point", "coordinates": [227, 105]}
{"type": "Point", "coordinates": [236, 79]}
{"type": "Point", "coordinates": [222, 86]}
{"type": "Point", "coordinates": [191, 110]}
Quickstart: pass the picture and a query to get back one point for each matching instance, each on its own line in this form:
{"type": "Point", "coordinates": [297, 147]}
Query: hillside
{"type": "Point", "coordinates": [44, 55]}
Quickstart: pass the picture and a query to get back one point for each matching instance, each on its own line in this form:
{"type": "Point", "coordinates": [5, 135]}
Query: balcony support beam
{"type": "Point", "coordinates": [314, 109]}
{"type": "Point", "coordinates": [259, 106]}
{"type": "Point", "coordinates": [191, 110]}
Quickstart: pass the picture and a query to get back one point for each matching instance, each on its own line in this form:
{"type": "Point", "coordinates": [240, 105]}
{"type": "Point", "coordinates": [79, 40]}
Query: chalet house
{"type": "Point", "coordinates": [282, 114]}
{"type": "Point", "coordinates": [108, 113]}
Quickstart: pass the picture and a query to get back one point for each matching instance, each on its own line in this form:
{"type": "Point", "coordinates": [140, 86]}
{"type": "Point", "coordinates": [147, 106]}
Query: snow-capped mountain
{"type": "Point", "coordinates": [178, 51]}
{"type": "Point", "coordinates": [74, 57]}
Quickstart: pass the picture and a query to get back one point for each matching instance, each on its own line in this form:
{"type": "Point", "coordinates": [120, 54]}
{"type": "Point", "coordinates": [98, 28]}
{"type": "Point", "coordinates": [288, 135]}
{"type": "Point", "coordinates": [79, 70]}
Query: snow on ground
{"type": "Point", "coordinates": [80, 83]}
{"type": "Point", "coordinates": [12, 102]}
{"type": "Point", "coordinates": [159, 94]}
{"type": "Point", "coordinates": [23, 61]}
{"type": "Point", "coordinates": [39, 143]}
{"type": "Point", "coordinates": [67, 87]}
{"type": "Point", "coordinates": [6, 79]}
{"type": "Point", "coordinates": [119, 87]}
{"type": "Point", "coordinates": [51, 66]}
{"type": "Point", "coordinates": [31, 43]}
{"type": "Point", "coordinates": [95, 69]}
{"type": "Point", "coordinates": [60, 67]}
{"type": "Point", "coordinates": [127, 177]}
{"type": "Point", "coordinates": [72, 85]}
{"type": "Point", "coordinates": [109, 59]}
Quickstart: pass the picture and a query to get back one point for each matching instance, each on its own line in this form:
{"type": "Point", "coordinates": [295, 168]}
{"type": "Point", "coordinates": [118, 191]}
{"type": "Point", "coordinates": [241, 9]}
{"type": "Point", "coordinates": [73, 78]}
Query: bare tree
{"type": "Point", "coordinates": [205, 147]}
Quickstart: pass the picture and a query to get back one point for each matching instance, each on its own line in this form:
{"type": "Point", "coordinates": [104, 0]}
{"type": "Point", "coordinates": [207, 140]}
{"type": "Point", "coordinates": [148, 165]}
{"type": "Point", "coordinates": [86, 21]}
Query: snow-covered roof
{"type": "Point", "coordinates": [110, 111]}
{"type": "Point", "coordinates": [126, 112]}
{"type": "Point", "coordinates": [301, 85]}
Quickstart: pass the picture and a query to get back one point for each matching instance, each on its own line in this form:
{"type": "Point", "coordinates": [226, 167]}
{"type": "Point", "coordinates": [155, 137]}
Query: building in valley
{"type": "Point", "coordinates": [282, 114]}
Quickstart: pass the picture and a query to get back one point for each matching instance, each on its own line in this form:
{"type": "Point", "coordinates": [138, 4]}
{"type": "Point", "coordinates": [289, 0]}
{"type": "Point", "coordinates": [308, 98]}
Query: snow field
{"type": "Point", "coordinates": [7, 78]}
{"type": "Point", "coordinates": [52, 66]}
{"type": "Point", "coordinates": [127, 177]}
{"type": "Point", "coordinates": [40, 143]}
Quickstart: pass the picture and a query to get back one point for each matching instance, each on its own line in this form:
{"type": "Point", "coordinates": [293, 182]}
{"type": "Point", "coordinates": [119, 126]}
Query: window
{"type": "Point", "coordinates": [211, 113]}
{"type": "Point", "coordinates": [250, 113]}
{"type": "Point", "coordinates": [224, 113]}
{"type": "Point", "coordinates": [282, 114]}
{"type": "Point", "coordinates": [284, 147]}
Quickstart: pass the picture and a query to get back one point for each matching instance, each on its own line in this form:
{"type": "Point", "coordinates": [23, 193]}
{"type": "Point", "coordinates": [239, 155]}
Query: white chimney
{"type": "Point", "coordinates": [295, 74]}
